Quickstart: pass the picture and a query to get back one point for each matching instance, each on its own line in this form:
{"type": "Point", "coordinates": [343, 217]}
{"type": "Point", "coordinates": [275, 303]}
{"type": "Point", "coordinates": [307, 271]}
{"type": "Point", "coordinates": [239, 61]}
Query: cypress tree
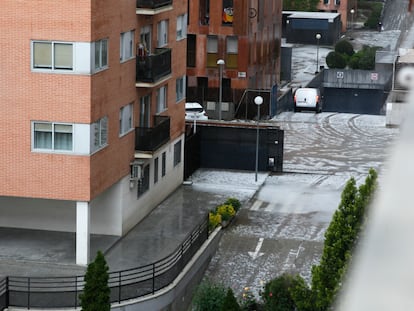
{"type": "Point", "coordinates": [96, 292]}
{"type": "Point", "coordinates": [340, 239]}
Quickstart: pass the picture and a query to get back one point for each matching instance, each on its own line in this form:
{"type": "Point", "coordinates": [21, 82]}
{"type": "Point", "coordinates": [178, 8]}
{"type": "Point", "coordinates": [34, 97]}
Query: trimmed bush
{"type": "Point", "coordinates": [344, 47]}
{"type": "Point", "coordinates": [226, 211]}
{"type": "Point", "coordinates": [214, 220]}
{"type": "Point", "coordinates": [233, 202]}
{"type": "Point", "coordinates": [335, 60]}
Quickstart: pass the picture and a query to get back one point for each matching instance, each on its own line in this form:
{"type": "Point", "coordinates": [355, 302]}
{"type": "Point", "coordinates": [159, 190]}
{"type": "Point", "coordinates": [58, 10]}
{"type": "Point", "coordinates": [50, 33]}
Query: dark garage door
{"type": "Point", "coordinates": [361, 101]}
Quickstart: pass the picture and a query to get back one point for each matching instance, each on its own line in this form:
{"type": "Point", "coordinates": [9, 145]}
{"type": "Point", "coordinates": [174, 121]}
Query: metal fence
{"type": "Point", "coordinates": [3, 293]}
{"type": "Point", "coordinates": [63, 292]}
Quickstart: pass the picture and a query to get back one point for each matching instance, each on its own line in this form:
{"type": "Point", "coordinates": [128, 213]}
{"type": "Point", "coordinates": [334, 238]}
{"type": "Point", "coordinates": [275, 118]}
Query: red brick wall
{"type": "Point", "coordinates": [27, 96]}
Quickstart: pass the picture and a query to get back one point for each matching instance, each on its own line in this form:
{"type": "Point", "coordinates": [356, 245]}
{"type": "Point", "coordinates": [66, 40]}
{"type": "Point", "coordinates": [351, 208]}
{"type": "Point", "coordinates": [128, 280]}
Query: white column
{"type": "Point", "coordinates": [82, 233]}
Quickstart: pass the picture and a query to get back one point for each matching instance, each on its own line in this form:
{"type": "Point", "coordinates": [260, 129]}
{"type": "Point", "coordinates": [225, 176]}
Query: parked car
{"type": "Point", "coordinates": [194, 111]}
{"type": "Point", "coordinates": [307, 99]}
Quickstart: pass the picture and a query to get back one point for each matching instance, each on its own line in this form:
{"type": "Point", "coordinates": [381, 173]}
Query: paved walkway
{"type": "Point", "coordinates": [45, 253]}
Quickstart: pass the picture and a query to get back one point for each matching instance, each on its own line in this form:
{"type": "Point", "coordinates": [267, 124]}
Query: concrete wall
{"type": "Point", "coordinates": [114, 212]}
{"type": "Point", "coordinates": [177, 296]}
{"type": "Point", "coordinates": [362, 79]}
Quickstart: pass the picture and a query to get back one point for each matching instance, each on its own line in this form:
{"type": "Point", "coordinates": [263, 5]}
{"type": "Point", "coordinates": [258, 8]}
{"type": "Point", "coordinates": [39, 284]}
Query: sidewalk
{"type": "Point", "coordinates": [44, 253]}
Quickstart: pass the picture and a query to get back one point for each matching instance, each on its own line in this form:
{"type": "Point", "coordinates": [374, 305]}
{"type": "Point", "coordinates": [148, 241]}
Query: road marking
{"type": "Point", "coordinates": [271, 207]}
{"type": "Point", "coordinates": [256, 205]}
{"type": "Point", "coordinates": [256, 253]}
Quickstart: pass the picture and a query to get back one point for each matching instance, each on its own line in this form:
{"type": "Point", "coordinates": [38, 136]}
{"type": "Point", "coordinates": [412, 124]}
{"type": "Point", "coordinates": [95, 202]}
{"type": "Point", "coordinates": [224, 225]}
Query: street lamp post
{"type": "Point", "coordinates": [318, 37]}
{"type": "Point", "coordinates": [258, 100]}
{"type": "Point", "coordinates": [352, 20]}
{"type": "Point", "coordinates": [220, 63]}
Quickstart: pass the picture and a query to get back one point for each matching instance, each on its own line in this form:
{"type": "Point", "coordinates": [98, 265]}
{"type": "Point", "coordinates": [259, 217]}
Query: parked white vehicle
{"type": "Point", "coordinates": [194, 111]}
{"type": "Point", "coordinates": [307, 99]}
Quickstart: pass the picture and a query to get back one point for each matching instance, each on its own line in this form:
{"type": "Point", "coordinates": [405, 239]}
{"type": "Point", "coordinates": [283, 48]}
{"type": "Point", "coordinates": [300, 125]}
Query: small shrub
{"type": "Point", "coordinates": [214, 220]}
{"type": "Point", "coordinates": [230, 302]}
{"type": "Point", "coordinates": [96, 293]}
{"type": "Point", "coordinates": [375, 16]}
{"type": "Point", "coordinates": [276, 294]}
{"type": "Point", "coordinates": [363, 59]}
{"type": "Point", "coordinates": [233, 202]}
{"type": "Point", "coordinates": [226, 211]}
{"type": "Point", "coordinates": [209, 296]}
{"type": "Point", "coordinates": [248, 301]}
{"type": "Point", "coordinates": [344, 47]}
{"type": "Point", "coordinates": [335, 60]}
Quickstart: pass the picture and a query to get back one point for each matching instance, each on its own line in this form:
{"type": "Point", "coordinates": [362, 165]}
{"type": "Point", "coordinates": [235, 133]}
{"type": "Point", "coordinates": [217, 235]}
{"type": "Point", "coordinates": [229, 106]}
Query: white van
{"type": "Point", "coordinates": [306, 98]}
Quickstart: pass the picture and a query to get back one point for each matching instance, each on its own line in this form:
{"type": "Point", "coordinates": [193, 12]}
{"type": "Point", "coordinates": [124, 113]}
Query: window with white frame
{"type": "Point", "coordinates": [101, 54]}
{"type": "Point", "coordinates": [52, 136]}
{"type": "Point", "coordinates": [162, 33]}
{"type": "Point", "coordinates": [232, 48]}
{"type": "Point", "coordinates": [180, 88]}
{"type": "Point", "coordinates": [181, 26]}
{"type": "Point", "coordinates": [100, 133]}
{"type": "Point", "coordinates": [125, 119]}
{"type": "Point", "coordinates": [127, 45]}
{"type": "Point", "coordinates": [212, 51]}
{"type": "Point", "coordinates": [51, 55]}
{"type": "Point", "coordinates": [162, 99]}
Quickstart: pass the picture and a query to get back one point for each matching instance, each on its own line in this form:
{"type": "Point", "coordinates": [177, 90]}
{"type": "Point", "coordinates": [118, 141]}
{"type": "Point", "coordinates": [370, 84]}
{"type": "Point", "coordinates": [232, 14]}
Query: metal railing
{"type": "Point", "coordinates": [63, 292]}
{"type": "Point", "coordinates": [153, 4]}
{"type": "Point", "coordinates": [151, 68]}
{"type": "Point", "coordinates": [3, 293]}
{"type": "Point", "coordinates": [151, 138]}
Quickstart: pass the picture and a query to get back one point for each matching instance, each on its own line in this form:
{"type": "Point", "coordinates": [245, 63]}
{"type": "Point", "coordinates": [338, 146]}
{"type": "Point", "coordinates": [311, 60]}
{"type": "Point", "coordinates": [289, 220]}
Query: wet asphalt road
{"type": "Point", "coordinates": [281, 229]}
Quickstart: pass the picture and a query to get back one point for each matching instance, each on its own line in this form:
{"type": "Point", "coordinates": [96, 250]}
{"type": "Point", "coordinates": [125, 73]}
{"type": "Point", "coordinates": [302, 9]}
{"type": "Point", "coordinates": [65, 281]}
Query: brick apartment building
{"type": "Point", "coordinates": [343, 7]}
{"type": "Point", "coordinates": [93, 113]}
{"type": "Point", "coordinates": [246, 35]}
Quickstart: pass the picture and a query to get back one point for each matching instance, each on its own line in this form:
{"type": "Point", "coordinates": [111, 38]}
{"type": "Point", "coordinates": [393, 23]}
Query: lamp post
{"type": "Point", "coordinates": [352, 19]}
{"type": "Point", "coordinates": [220, 63]}
{"type": "Point", "coordinates": [318, 37]}
{"type": "Point", "coordinates": [258, 100]}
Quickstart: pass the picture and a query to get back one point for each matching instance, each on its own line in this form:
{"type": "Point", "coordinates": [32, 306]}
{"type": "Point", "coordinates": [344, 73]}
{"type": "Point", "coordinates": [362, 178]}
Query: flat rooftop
{"type": "Point", "coordinates": [311, 15]}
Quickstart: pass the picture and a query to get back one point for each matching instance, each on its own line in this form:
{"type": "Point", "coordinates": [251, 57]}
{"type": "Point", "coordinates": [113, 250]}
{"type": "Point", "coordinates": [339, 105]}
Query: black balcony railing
{"type": "Point", "coordinates": [63, 292]}
{"type": "Point", "coordinates": [152, 4]}
{"type": "Point", "coordinates": [150, 139]}
{"type": "Point", "coordinates": [151, 68]}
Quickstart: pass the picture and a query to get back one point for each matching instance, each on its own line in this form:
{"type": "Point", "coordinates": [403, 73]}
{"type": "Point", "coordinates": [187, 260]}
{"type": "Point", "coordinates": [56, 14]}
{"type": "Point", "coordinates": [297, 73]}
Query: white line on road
{"type": "Point", "coordinates": [256, 205]}
{"type": "Point", "coordinates": [256, 253]}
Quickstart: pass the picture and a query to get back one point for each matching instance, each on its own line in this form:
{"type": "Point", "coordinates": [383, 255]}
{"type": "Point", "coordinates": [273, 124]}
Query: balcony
{"type": "Point", "coordinates": [152, 7]}
{"type": "Point", "coordinates": [153, 67]}
{"type": "Point", "coordinates": [151, 138]}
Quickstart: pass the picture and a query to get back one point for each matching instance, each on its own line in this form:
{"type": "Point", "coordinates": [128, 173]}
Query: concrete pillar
{"type": "Point", "coordinates": [82, 233]}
